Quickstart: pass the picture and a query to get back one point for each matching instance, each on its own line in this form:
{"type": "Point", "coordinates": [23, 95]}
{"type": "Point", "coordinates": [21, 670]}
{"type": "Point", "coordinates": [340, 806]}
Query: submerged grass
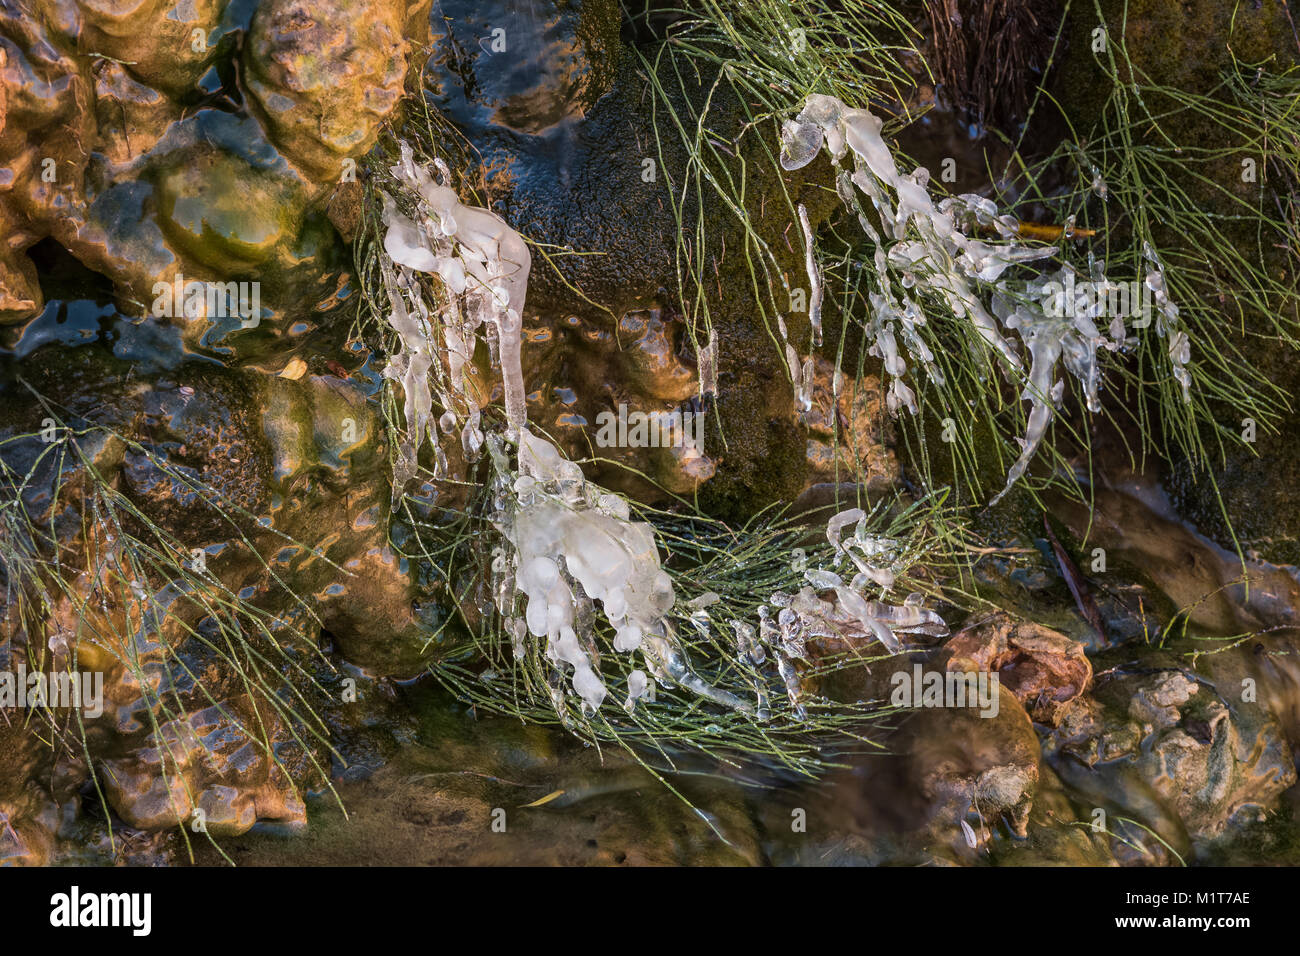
{"type": "Point", "coordinates": [87, 573]}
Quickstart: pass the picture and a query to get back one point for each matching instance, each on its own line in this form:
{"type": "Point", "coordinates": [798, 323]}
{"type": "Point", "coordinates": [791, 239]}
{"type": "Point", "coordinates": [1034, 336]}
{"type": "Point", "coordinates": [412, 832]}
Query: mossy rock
{"type": "Point", "coordinates": [597, 175]}
{"type": "Point", "coordinates": [223, 211]}
{"type": "Point", "coordinates": [167, 44]}
{"type": "Point", "coordinates": [324, 75]}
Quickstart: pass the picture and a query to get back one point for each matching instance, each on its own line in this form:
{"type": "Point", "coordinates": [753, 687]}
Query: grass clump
{"type": "Point", "coordinates": [1151, 193]}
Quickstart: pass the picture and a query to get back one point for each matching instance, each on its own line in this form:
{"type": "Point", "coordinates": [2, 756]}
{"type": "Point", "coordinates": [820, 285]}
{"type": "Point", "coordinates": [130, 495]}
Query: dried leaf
{"type": "Point", "coordinates": [295, 370]}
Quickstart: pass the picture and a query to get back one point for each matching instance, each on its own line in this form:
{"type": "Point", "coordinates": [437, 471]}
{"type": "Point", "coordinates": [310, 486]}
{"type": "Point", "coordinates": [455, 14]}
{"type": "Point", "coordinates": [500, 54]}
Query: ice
{"type": "Point", "coordinates": [638, 686]}
{"type": "Point", "coordinates": [569, 549]}
{"type": "Point", "coordinates": [571, 535]}
{"type": "Point", "coordinates": [800, 144]}
{"type": "Point", "coordinates": [823, 580]}
{"type": "Point", "coordinates": [708, 366]}
{"type": "Point", "coordinates": [405, 243]}
{"type": "Point", "coordinates": [837, 523]}
{"type": "Point", "coordinates": [814, 278]}
{"type": "Point", "coordinates": [1167, 323]}
{"type": "Point", "coordinates": [851, 614]}
{"type": "Point", "coordinates": [484, 265]}
{"type": "Point", "coordinates": [627, 638]}
{"type": "Point", "coordinates": [707, 599]}
{"type": "Point", "coordinates": [925, 256]}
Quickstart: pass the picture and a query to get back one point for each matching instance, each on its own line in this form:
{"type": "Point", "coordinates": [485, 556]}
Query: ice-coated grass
{"type": "Point", "coordinates": [1147, 189]}
{"type": "Point", "coordinates": [1127, 184]}
{"type": "Point", "coordinates": [535, 562]}
{"type": "Point", "coordinates": [723, 577]}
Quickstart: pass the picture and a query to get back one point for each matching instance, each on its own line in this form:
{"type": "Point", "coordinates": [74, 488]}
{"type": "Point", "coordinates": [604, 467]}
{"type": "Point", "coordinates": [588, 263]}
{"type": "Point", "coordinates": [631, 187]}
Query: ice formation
{"type": "Point", "coordinates": [814, 277]}
{"type": "Point", "coordinates": [924, 254]}
{"type": "Point", "coordinates": [572, 544]}
{"type": "Point", "coordinates": [827, 607]}
{"type": "Point", "coordinates": [878, 561]}
{"type": "Point", "coordinates": [483, 265]}
{"type": "Point", "coordinates": [569, 547]}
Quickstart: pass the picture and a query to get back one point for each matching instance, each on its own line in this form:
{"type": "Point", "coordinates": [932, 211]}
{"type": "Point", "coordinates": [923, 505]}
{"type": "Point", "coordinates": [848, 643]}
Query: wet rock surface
{"type": "Point", "coordinates": [129, 145]}
{"type": "Point", "coordinates": [326, 75]}
{"type": "Point", "coordinates": [464, 791]}
{"type": "Point", "coordinates": [1179, 759]}
{"type": "Point", "coordinates": [587, 173]}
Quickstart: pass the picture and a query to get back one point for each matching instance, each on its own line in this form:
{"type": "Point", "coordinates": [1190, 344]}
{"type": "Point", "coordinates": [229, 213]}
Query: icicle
{"type": "Point", "coordinates": [750, 654]}
{"type": "Point", "coordinates": [814, 279]}
{"type": "Point", "coordinates": [638, 686]}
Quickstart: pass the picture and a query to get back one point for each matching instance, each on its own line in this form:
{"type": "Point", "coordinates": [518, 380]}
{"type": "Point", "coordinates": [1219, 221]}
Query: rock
{"type": "Point", "coordinates": [580, 375]}
{"type": "Point", "coordinates": [46, 131]}
{"type": "Point", "coordinates": [531, 72]}
{"type": "Point", "coordinates": [325, 76]}
{"type": "Point", "coordinates": [1261, 677]}
{"type": "Point", "coordinates": [1218, 593]}
{"type": "Point", "coordinates": [443, 801]}
{"type": "Point", "coordinates": [20, 291]}
{"type": "Point", "coordinates": [205, 430]}
{"type": "Point", "coordinates": [207, 760]}
{"type": "Point", "coordinates": [131, 116]}
{"type": "Point", "coordinates": [167, 44]}
{"type": "Point", "coordinates": [223, 212]}
{"type": "Point", "coordinates": [17, 849]}
{"type": "Point", "coordinates": [211, 202]}
{"type": "Point", "coordinates": [1053, 836]}
{"type": "Point", "coordinates": [344, 208]}
{"type": "Point", "coordinates": [964, 763]}
{"type": "Point", "coordinates": [1162, 747]}
{"type": "Point", "coordinates": [241, 467]}
{"type": "Point", "coordinates": [1042, 668]}
{"type": "Point", "coordinates": [850, 435]}
{"type": "Point", "coordinates": [129, 144]}
{"type": "Point", "coordinates": [941, 767]}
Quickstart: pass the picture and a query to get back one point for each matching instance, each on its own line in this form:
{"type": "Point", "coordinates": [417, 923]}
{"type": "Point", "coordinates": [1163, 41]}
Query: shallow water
{"type": "Point", "coordinates": [431, 793]}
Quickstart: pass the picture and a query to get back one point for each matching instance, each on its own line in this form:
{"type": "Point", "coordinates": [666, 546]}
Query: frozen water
{"type": "Point", "coordinates": [925, 255]}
